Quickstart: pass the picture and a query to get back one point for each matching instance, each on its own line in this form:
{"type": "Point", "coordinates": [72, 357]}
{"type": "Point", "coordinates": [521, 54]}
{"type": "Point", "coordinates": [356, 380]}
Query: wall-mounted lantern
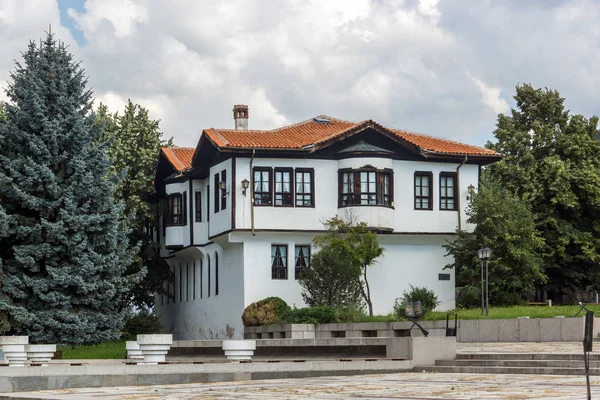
{"type": "Point", "coordinates": [245, 186]}
{"type": "Point", "coordinates": [471, 190]}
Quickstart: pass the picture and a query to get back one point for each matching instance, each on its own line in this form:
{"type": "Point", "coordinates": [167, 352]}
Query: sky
{"type": "Point", "coordinates": [445, 68]}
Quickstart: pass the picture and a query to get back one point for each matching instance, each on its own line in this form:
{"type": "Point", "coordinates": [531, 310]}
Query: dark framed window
{"type": "Point", "coordinates": [224, 192]}
{"type": "Point", "coordinates": [207, 203]}
{"type": "Point", "coordinates": [448, 191]}
{"type": "Point", "coordinates": [423, 190]}
{"type": "Point", "coordinates": [365, 187]}
{"type": "Point", "coordinates": [262, 188]}
{"type": "Point", "coordinates": [302, 259]}
{"type": "Point", "coordinates": [217, 194]}
{"type": "Point", "coordinates": [198, 201]}
{"type": "Point", "coordinates": [305, 187]}
{"type": "Point", "coordinates": [175, 217]}
{"type": "Point", "coordinates": [279, 261]}
{"type": "Point", "coordinates": [283, 187]}
{"type": "Point", "coordinates": [216, 274]}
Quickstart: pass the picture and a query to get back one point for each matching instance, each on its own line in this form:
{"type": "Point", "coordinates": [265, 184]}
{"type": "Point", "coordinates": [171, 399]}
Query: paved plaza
{"type": "Point", "coordinates": [390, 386]}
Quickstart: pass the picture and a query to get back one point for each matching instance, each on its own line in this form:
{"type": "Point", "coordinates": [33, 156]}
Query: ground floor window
{"type": "Point", "coordinates": [302, 259]}
{"type": "Point", "coordinates": [279, 261]}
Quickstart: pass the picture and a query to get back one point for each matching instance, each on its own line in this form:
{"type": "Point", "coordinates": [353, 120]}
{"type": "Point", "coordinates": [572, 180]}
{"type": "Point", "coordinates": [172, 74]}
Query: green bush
{"type": "Point", "coordinates": [144, 322]}
{"type": "Point", "coordinates": [350, 314]}
{"type": "Point", "coordinates": [265, 312]}
{"type": "Point", "coordinates": [428, 298]}
{"type": "Point", "coordinates": [311, 315]}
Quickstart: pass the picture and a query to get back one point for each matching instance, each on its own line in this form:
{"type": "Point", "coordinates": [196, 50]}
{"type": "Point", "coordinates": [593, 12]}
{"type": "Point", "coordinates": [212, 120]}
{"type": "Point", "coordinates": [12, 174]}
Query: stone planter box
{"type": "Point", "coordinates": [237, 350]}
{"type": "Point", "coordinates": [40, 353]}
{"type": "Point", "coordinates": [154, 348]}
{"type": "Point", "coordinates": [13, 348]}
{"type": "Point", "coordinates": [133, 350]}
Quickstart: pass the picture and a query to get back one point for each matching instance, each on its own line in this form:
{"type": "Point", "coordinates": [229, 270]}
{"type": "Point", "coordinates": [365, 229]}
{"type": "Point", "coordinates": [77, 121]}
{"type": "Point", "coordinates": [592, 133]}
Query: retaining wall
{"type": "Point", "coordinates": [484, 330]}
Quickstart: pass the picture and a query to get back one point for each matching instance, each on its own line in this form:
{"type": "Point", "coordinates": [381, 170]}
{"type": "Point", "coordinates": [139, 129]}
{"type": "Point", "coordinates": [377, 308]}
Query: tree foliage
{"type": "Point", "coordinates": [350, 243]}
{"type": "Point", "coordinates": [552, 166]}
{"type": "Point", "coordinates": [135, 142]}
{"type": "Point", "coordinates": [505, 224]}
{"type": "Point", "coordinates": [64, 253]}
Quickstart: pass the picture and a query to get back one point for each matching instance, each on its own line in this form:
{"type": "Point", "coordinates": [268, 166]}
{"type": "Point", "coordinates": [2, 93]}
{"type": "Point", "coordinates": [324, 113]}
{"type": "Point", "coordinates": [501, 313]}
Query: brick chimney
{"type": "Point", "coordinates": [240, 116]}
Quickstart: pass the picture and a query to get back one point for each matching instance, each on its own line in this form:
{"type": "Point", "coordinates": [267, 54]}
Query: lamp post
{"type": "Point", "coordinates": [484, 254]}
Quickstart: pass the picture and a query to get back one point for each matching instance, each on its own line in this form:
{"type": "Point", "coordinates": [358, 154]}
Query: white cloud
{"type": "Point", "coordinates": [401, 63]}
{"type": "Point", "coordinates": [490, 96]}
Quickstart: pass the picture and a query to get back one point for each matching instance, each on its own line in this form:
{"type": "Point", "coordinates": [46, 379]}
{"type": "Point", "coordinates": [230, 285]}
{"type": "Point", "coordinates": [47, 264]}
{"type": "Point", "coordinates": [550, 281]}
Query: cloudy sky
{"type": "Point", "coordinates": [446, 68]}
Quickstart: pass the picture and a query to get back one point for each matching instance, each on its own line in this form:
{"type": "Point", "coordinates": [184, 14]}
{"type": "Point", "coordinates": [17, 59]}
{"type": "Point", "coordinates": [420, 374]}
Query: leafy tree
{"type": "Point", "coordinates": [552, 165]}
{"type": "Point", "coordinates": [136, 141]}
{"type": "Point", "coordinates": [65, 252]}
{"type": "Point", "coordinates": [333, 279]}
{"type": "Point", "coordinates": [505, 224]}
{"type": "Point", "coordinates": [2, 113]}
{"type": "Point", "coordinates": [356, 245]}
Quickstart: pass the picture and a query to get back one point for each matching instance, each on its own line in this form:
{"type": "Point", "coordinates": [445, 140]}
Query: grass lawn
{"type": "Point", "coordinates": [518, 311]}
{"type": "Point", "coordinates": [107, 350]}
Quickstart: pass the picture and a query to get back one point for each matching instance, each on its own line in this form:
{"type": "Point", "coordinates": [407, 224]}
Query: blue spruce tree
{"type": "Point", "coordinates": [63, 249]}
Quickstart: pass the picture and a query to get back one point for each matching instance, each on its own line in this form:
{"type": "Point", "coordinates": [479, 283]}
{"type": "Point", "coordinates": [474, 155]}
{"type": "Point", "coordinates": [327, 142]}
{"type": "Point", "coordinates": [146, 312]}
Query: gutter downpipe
{"type": "Point", "coordinates": [252, 193]}
{"type": "Point", "coordinates": [458, 188]}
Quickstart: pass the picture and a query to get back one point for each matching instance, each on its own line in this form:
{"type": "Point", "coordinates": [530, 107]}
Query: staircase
{"type": "Point", "coordinates": [517, 363]}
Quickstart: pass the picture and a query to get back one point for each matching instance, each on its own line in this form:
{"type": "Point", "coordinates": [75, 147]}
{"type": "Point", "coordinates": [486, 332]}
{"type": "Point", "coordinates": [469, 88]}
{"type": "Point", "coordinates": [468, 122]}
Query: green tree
{"type": "Point", "coordinates": [65, 252]}
{"type": "Point", "coordinates": [552, 165]}
{"type": "Point", "coordinates": [136, 141]}
{"type": "Point", "coordinates": [506, 225]}
{"type": "Point", "coordinates": [333, 279]}
{"type": "Point", "coordinates": [359, 245]}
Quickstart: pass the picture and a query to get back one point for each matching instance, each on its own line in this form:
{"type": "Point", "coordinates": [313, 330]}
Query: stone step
{"type": "Point", "coordinates": [517, 363]}
{"type": "Point", "coordinates": [527, 356]}
{"type": "Point", "coordinates": [507, 370]}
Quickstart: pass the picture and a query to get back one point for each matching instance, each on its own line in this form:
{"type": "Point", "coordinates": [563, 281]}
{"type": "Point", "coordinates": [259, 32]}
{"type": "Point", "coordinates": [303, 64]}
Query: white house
{"type": "Point", "coordinates": [242, 208]}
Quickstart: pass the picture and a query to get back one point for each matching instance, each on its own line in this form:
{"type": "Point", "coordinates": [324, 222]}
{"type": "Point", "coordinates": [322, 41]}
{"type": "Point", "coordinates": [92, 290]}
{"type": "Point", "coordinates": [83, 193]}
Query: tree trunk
{"type": "Point", "coordinates": [367, 295]}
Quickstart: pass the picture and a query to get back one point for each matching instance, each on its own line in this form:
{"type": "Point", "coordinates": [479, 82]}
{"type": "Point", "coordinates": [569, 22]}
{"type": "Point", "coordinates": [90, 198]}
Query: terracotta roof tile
{"type": "Point", "coordinates": [312, 133]}
{"type": "Point", "coordinates": [179, 157]}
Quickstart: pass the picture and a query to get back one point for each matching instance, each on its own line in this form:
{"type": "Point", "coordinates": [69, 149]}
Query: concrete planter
{"type": "Point", "coordinates": [237, 350]}
{"type": "Point", "coordinates": [13, 348]}
{"type": "Point", "coordinates": [40, 353]}
{"type": "Point", "coordinates": [133, 351]}
{"type": "Point", "coordinates": [154, 348]}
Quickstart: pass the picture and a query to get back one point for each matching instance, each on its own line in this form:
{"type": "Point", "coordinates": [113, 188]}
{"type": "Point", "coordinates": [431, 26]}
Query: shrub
{"type": "Point", "coordinates": [428, 299]}
{"type": "Point", "coordinates": [265, 312]}
{"type": "Point", "coordinates": [144, 322]}
{"type": "Point", "coordinates": [350, 314]}
{"type": "Point", "coordinates": [311, 315]}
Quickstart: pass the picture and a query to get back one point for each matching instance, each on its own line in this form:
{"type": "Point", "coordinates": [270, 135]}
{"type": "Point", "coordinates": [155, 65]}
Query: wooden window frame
{"type": "Point", "coordinates": [276, 270]}
{"type": "Point", "coordinates": [299, 269]}
{"type": "Point", "coordinates": [356, 194]}
{"type": "Point", "coordinates": [269, 170]}
{"type": "Point", "coordinates": [283, 170]}
{"type": "Point", "coordinates": [223, 192]}
{"type": "Point", "coordinates": [207, 203]}
{"type": "Point", "coordinates": [216, 192]}
{"type": "Point", "coordinates": [310, 171]}
{"type": "Point", "coordinates": [175, 219]}
{"type": "Point", "coordinates": [445, 198]}
{"type": "Point", "coordinates": [420, 198]}
{"type": "Point", "coordinates": [198, 205]}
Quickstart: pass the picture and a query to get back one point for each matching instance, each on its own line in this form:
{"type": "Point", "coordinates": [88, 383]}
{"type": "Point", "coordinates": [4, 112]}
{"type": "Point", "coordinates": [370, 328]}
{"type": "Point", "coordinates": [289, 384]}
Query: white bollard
{"type": "Point", "coordinates": [154, 347]}
{"type": "Point", "coordinates": [133, 350]}
{"type": "Point", "coordinates": [13, 348]}
{"type": "Point", "coordinates": [40, 353]}
{"type": "Point", "coordinates": [237, 350]}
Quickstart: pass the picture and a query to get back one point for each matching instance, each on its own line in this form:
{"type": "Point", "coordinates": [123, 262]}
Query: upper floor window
{"type": "Point", "coordinates": [198, 198]}
{"type": "Point", "coordinates": [423, 192]}
{"type": "Point", "coordinates": [302, 259]}
{"type": "Point", "coordinates": [448, 191]}
{"type": "Point", "coordinates": [262, 189]}
{"type": "Point", "coordinates": [176, 211]}
{"type": "Point", "coordinates": [279, 261]}
{"type": "Point", "coordinates": [305, 187]}
{"type": "Point", "coordinates": [217, 194]}
{"type": "Point", "coordinates": [365, 187]}
{"type": "Point", "coordinates": [223, 191]}
{"type": "Point", "coordinates": [283, 187]}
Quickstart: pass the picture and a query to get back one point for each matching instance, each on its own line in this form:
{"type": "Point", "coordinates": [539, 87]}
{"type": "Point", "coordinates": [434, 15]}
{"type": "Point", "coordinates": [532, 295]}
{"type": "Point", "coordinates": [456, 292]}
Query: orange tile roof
{"type": "Point", "coordinates": [310, 133]}
{"type": "Point", "coordinates": [179, 157]}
